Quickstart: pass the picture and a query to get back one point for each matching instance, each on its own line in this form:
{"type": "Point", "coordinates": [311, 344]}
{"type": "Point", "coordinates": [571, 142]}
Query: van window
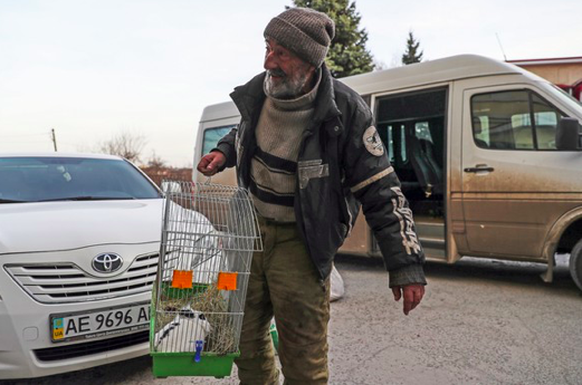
{"type": "Point", "coordinates": [389, 143]}
{"type": "Point", "coordinates": [412, 127]}
{"type": "Point", "coordinates": [389, 136]}
{"type": "Point", "coordinates": [481, 130]}
{"type": "Point", "coordinates": [546, 118]}
{"type": "Point", "coordinates": [421, 130]}
{"type": "Point", "coordinates": [212, 136]}
{"type": "Point", "coordinates": [514, 120]}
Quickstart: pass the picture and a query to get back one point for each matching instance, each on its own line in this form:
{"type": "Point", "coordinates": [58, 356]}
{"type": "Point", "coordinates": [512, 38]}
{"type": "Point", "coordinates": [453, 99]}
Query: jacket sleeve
{"type": "Point", "coordinates": [227, 146]}
{"type": "Point", "coordinates": [374, 183]}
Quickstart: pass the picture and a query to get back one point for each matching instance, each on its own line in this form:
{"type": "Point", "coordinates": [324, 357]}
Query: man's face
{"type": "Point", "coordinates": [288, 76]}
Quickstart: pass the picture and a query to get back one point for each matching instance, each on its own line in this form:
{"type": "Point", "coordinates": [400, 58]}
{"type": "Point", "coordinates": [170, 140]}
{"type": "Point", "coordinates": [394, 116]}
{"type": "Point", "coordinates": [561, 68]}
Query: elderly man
{"type": "Point", "coordinates": [308, 152]}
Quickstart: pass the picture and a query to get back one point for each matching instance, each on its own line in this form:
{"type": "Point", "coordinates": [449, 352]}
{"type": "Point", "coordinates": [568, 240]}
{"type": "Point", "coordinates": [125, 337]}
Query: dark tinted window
{"type": "Point", "coordinates": [425, 104]}
{"type": "Point", "coordinates": [31, 179]}
{"type": "Point", "coordinates": [420, 114]}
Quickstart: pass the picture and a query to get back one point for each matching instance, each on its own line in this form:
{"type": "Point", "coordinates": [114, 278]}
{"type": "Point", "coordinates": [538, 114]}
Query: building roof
{"type": "Point", "coordinates": [557, 60]}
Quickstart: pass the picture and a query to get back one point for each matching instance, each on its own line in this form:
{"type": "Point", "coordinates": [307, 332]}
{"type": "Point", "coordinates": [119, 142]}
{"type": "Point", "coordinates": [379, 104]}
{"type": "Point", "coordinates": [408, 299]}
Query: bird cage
{"type": "Point", "coordinates": [209, 234]}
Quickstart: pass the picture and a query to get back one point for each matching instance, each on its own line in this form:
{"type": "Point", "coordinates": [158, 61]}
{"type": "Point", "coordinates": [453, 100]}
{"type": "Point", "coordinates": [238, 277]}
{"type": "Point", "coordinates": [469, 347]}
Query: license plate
{"type": "Point", "coordinates": [100, 322]}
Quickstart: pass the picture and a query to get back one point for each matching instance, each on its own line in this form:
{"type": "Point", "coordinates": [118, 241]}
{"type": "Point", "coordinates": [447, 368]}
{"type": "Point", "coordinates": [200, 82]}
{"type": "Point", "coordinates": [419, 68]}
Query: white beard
{"type": "Point", "coordinates": [288, 88]}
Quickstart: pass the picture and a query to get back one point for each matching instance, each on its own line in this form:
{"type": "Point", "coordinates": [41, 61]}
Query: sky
{"type": "Point", "coordinates": [92, 70]}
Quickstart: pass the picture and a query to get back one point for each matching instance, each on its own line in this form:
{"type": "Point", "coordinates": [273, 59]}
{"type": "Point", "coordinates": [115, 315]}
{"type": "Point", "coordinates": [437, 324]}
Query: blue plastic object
{"type": "Point", "coordinates": [199, 346]}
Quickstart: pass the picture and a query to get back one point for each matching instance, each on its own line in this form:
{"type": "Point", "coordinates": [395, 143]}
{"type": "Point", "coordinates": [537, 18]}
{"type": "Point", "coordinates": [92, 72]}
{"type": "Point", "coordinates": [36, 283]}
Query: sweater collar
{"type": "Point", "coordinates": [304, 102]}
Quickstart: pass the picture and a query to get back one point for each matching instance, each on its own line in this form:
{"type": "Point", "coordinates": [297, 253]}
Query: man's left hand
{"type": "Point", "coordinates": [412, 295]}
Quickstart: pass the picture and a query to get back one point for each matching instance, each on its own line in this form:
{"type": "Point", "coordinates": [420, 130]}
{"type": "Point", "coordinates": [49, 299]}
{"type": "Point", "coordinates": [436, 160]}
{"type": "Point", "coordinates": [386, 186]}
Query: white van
{"type": "Point", "coordinates": [488, 154]}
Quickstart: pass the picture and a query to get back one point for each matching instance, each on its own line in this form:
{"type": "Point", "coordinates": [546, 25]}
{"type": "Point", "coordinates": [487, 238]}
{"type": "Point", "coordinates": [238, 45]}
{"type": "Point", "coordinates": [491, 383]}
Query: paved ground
{"type": "Point", "coordinates": [482, 322]}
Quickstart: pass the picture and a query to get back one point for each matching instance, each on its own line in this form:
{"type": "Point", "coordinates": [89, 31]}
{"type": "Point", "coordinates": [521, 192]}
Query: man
{"type": "Point", "coordinates": [308, 152]}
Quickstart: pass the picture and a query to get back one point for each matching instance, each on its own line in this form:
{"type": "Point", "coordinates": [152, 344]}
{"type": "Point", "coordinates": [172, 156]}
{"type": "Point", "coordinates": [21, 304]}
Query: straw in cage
{"type": "Point", "coordinates": [174, 319]}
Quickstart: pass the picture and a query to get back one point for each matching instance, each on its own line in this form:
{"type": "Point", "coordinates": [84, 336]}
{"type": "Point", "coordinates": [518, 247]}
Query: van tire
{"type": "Point", "coordinates": [576, 264]}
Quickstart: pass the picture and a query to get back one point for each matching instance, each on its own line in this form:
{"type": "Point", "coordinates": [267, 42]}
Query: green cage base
{"type": "Point", "coordinates": [182, 364]}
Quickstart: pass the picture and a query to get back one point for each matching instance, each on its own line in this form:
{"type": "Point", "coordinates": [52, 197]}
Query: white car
{"type": "Point", "coordinates": [79, 245]}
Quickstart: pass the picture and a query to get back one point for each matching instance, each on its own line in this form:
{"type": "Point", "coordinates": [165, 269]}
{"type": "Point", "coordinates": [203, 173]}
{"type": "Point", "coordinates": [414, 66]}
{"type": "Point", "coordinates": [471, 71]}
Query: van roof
{"type": "Point", "coordinates": [222, 110]}
{"type": "Point", "coordinates": [414, 75]}
{"type": "Point", "coordinates": [430, 72]}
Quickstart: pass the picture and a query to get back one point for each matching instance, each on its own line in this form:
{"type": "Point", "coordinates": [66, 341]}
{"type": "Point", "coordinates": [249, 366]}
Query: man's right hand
{"type": "Point", "coordinates": [211, 163]}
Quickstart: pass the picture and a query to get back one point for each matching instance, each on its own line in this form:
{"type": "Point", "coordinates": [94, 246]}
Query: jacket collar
{"type": "Point", "coordinates": [326, 107]}
{"type": "Point", "coordinates": [249, 98]}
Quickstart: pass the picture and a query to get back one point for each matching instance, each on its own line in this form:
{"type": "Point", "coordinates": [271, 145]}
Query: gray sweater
{"type": "Point", "coordinates": [274, 165]}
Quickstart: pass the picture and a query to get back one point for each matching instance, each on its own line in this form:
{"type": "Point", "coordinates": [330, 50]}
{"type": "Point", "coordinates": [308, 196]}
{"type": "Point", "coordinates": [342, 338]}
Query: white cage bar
{"type": "Point", "coordinates": [209, 234]}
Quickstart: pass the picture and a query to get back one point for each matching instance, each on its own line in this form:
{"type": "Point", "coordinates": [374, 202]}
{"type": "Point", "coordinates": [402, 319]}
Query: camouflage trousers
{"type": "Point", "coordinates": [285, 283]}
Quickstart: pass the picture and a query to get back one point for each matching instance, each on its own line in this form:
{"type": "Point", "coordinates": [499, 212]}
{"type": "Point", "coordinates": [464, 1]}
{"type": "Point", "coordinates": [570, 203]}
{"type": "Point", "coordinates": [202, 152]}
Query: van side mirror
{"type": "Point", "coordinates": [568, 135]}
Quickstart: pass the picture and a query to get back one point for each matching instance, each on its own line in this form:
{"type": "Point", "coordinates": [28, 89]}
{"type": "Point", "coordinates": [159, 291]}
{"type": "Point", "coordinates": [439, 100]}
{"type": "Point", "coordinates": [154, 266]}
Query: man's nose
{"type": "Point", "coordinates": [270, 62]}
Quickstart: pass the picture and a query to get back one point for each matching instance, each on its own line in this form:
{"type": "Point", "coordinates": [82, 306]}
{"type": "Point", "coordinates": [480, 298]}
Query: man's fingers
{"type": "Point", "coordinates": [408, 300]}
{"type": "Point", "coordinates": [396, 292]}
{"type": "Point", "coordinates": [203, 164]}
{"type": "Point", "coordinates": [215, 164]}
{"type": "Point", "coordinates": [412, 297]}
{"type": "Point", "coordinates": [211, 163]}
{"type": "Point", "coordinates": [415, 299]}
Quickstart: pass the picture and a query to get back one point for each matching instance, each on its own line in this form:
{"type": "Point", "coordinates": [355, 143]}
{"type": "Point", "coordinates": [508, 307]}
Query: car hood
{"type": "Point", "coordinates": [50, 226]}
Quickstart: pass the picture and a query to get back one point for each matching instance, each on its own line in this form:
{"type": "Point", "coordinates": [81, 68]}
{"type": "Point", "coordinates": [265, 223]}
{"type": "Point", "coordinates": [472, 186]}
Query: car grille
{"type": "Point", "coordinates": [67, 283]}
{"type": "Point", "coordinates": [93, 347]}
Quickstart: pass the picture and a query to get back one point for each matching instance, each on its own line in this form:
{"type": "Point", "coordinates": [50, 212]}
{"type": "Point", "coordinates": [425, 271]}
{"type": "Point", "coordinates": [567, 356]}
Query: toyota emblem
{"type": "Point", "coordinates": [107, 262]}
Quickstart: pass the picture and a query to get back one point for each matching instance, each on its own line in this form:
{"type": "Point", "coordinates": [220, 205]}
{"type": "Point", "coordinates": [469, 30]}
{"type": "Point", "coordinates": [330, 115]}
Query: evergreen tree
{"type": "Point", "coordinates": [347, 54]}
{"type": "Point", "coordinates": [411, 55]}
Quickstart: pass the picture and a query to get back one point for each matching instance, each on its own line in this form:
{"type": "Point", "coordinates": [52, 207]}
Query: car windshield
{"type": "Point", "coordinates": [38, 179]}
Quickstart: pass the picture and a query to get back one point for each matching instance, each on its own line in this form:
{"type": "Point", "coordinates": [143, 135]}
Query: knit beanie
{"type": "Point", "coordinates": [304, 31]}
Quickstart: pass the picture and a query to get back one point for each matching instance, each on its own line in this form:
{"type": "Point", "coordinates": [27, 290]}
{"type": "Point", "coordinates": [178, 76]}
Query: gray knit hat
{"type": "Point", "coordinates": [304, 31]}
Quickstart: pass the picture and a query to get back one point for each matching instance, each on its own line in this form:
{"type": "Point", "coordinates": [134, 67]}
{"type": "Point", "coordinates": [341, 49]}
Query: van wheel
{"type": "Point", "coordinates": [576, 264]}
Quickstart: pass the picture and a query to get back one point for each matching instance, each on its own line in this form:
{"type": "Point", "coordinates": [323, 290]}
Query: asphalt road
{"type": "Point", "coordinates": [481, 322]}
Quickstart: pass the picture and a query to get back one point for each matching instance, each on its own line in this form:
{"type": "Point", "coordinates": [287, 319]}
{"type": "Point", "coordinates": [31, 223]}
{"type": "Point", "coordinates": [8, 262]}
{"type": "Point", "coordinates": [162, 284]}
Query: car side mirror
{"type": "Point", "coordinates": [568, 135]}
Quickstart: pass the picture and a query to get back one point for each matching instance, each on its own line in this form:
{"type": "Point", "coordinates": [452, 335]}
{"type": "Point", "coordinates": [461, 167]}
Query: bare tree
{"type": "Point", "coordinates": [155, 161]}
{"type": "Point", "coordinates": [379, 65]}
{"type": "Point", "coordinates": [124, 144]}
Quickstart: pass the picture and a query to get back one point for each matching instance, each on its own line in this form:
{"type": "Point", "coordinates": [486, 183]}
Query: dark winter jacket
{"type": "Point", "coordinates": [341, 163]}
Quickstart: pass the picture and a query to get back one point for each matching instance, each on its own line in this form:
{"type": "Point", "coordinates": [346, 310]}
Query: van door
{"type": "Point", "coordinates": [514, 181]}
{"type": "Point", "coordinates": [412, 126]}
